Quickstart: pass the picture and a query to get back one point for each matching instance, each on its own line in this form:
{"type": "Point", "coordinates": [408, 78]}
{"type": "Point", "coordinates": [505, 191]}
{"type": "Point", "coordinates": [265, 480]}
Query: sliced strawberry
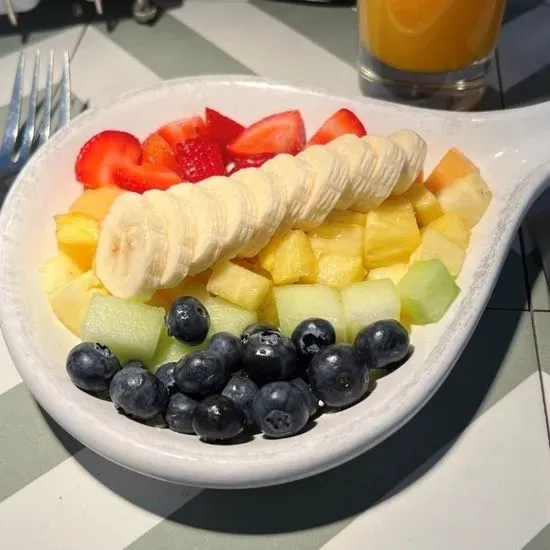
{"type": "Point", "coordinates": [102, 154]}
{"type": "Point", "coordinates": [340, 123]}
{"type": "Point", "coordinates": [279, 133]}
{"type": "Point", "coordinates": [221, 128]}
{"type": "Point", "coordinates": [141, 178]}
{"type": "Point", "coordinates": [156, 150]}
{"type": "Point", "coordinates": [176, 132]}
{"type": "Point", "coordinates": [250, 162]}
{"type": "Point", "coordinates": [199, 158]}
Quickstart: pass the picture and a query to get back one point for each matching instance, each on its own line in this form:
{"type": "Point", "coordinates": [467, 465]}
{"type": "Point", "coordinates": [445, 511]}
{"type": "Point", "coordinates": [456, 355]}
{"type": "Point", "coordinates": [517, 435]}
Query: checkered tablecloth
{"type": "Point", "coordinates": [470, 472]}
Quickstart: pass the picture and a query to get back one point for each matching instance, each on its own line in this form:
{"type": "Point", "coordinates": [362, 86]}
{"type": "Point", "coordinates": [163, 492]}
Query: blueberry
{"type": "Point", "coordinates": [165, 373]}
{"type": "Point", "coordinates": [256, 327]}
{"type": "Point", "coordinates": [133, 363]}
{"type": "Point", "coordinates": [241, 391]}
{"type": "Point", "coordinates": [179, 413]}
{"type": "Point", "coordinates": [91, 367]}
{"type": "Point", "coordinates": [311, 336]}
{"type": "Point", "coordinates": [269, 356]}
{"type": "Point", "coordinates": [337, 376]}
{"type": "Point", "coordinates": [311, 400]}
{"type": "Point", "coordinates": [137, 393]}
{"type": "Point", "coordinates": [217, 418]}
{"type": "Point", "coordinates": [280, 409]}
{"type": "Point", "coordinates": [382, 343]}
{"type": "Point", "coordinates": [201, 373]}
{"type": "Point", "coordinates": [229, 347]}
{"type": "Point", "coordinates": [188, 320]}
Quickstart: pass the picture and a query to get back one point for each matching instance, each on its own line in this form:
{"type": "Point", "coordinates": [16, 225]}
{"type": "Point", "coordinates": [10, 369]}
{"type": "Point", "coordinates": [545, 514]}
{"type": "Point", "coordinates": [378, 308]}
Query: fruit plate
{"type": "Point", "coordinates": [510, 148]}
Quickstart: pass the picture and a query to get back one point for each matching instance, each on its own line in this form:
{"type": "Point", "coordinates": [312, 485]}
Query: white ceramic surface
{"type": "Point", "coordinates": [510, 147]}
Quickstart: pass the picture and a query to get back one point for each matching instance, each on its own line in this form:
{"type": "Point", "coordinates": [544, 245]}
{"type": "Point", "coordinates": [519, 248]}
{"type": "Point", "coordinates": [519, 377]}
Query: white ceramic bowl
{"type": "Point", "coordinates": [510, 148]}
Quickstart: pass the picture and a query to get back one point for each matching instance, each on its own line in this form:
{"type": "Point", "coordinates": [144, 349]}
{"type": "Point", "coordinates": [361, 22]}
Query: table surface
{"type": "Point", "coordinates": [470, 472]}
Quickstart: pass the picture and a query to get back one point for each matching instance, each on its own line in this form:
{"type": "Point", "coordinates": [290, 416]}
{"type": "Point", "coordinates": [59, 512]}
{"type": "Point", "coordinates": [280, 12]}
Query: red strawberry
{"type": "Point", "coordinates": [340, 123]}
{"type": "Point", "coordinates": [141, 178]}
{"type": "Point", "coordinates": [156, 150]}
{"type": "Point", "coordinates": [176, 132]}
{"type": "Point", "coordinates": [221, 128]}
{"type": "Point", "coordinates": [250, 162]}
{"type": "Point", "coordinates": [102, 154]}
{"type": "Point", "coordinates": [199, 158]}
{"type": "Point", "coordinates": [279, 133]}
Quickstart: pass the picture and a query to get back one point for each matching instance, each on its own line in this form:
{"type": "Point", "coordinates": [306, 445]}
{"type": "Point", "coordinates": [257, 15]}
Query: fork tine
{"type": "Point", "coordinates": [46, 126]}
{"type": "Point", "coordinates": [28, 135]}
{"type": "Point", "coordinates": [14, 110]}
{"type": "Point", "coordinates": [65, 100]}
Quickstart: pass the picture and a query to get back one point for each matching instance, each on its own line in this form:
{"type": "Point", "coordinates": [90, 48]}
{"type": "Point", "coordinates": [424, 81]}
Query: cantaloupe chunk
{"type": "Point", "coordinates": [96, 203]}
{"type": "Point", "coordinates": [452, 166]}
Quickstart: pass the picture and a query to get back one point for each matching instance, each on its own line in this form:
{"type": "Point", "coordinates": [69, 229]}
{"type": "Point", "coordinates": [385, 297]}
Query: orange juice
{"type": "Point", "coordinates": [431, 36]}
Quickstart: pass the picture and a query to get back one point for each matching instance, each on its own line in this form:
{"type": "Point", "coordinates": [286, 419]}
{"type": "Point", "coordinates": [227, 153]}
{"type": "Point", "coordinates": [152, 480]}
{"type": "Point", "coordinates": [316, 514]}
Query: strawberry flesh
{"type": "Point", "coordinates": [221, 128]}
{"type": "Point", "coordinates": [156, 150]}
{"type": "Point", "coordinates": [250, 162]}
{"type": "Point", "coordinates": [199, 158]}
{"type": "Point", "coordinates": [141, 178]}
{"type": "Point", "coordinates": [180, 130]}
{"type": "Point", "coordinates": [340, 123]}
{"type": "Point", "coordinates": [101, 155]}
{"type": "Point", "coordinates": [280, 133]}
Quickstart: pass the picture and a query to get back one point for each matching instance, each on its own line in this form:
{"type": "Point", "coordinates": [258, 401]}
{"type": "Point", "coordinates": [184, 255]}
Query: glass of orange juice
{"type": "Point", "coordinates": [435, 53]}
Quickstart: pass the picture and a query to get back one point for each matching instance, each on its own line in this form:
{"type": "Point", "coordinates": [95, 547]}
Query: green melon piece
{"type": "Point", "coordinates": [131, 330]}
{"type": "Point", "coordinates": [170, 350]}
{"type": "Point", "coordinates": [369, 301]}
{"type": "Point", "coordinates": [227, 317]}
{"type": "Point", "coordinates": [427, 291]}
{"type": "Point", "coordinates": [298, 302]}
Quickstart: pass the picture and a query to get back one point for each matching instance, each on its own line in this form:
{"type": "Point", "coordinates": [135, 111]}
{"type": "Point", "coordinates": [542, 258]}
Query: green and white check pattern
{"type": "Point", "coordinates": [470, 472]}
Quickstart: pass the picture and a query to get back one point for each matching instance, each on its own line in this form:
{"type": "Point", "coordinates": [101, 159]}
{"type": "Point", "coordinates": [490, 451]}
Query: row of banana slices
{"type": "Point", "coordinates": [157, 239]}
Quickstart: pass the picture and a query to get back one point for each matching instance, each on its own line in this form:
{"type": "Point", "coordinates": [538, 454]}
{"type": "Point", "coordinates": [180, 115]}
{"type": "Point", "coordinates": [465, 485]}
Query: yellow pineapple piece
{"type": "Point", "coordinates": [453, 227]}
{"type": "Point", "coordinates": [425, 204]}
{"type": "Point", "coordinates": [393, 272]}
{"type": "Point", "coordinates": [238, 285]}
{"type": "Point", "coordinates": [338, 271]}
{"type": "Point", "coordinates": [454, 165]}
{"type": "Point", "coordinates": [289, 258]}
{"type": "Point", "coordinates": [58, 271]}
{"type": "Point", "coordinates": [267, 313]}
{"type": "Point", "coordinates": [191, 286]}
{"type": "Point", "coordinates": [347, 217]}
{"type": "Point", "coordinates": [391, 234]}
{"type": "Point", "coordinates": [159, 299]}
{"type": "Point", "coordinates": [337, 238]}
{"type": "Point", "coordinates": [435, 245]}
{"type": "Point", "coordinates": [71, 302]}
{"type": "Point", "coordinates": [468, 197]}
{"type": "Point", "coordinates": [77, 236]}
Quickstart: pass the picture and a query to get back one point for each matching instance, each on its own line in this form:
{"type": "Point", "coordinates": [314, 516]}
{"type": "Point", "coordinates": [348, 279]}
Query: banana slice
{"type": "Point", "coordinates": [181, 236]}
{"type": "Point", "coordinates": [270, 207]}
{"type": "Point", "coordinates": [330, 178]}
{"type": "Point", "coordinates": [390, 159]}
{"type": "Point", "coordinates": [294, 183]}
{"type": "Point", "coordinates": [132, 249]}
{"type": "Point", "coordinates": [240, 213]}
{"type": "Point", "coordinates": [415, 149]}
{"type": "Point", "coordinates": [207, 215]}
{"type": "Point", "coordinates": [361, 161]}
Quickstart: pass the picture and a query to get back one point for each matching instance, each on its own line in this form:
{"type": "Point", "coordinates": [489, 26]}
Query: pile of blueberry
{"type": "Point", "coordinates": [261, 381]}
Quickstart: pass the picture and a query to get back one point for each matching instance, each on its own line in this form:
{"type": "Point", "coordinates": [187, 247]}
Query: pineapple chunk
{"type": "Point", "coordinates": [369, 301]}
{"type": "Point", "coordinates": [289, 258]}
{"type": "Point", "coordinates": [425, 204]}
{"type": "Point", "coordinates": [58, 271]}
{"type": "Point", "coordinates": [298, 302]}
{"type": "Point", "coordinates": [454, 165]}
{"type": "Point", "coordinates": [238, 285]}
{"type": "Point", "coordinates": [391, 234]}
{"type": "Point", "coordinates": [452, 226]}
{"type": "Point", "coordinates": [435, 245]}
{"type": "Point", "coordinates": [337, 238]}
{"type": "Point", "coordinates": [338, 271]}
{"type": "Point", "coordinates": [393, 272]}
{"type": "Point", "coordinates": [191, 286]}
{"type": "Point", "coordinates": [77, 236]}
{"type": "Point", "coordinates": [71, 302]}
{"type": "Point", "coordinates": [469, 197]}
{"type": "Point", "coordinates": [268, 310]}
{"type": "Point", "coordinates": [347, 217]}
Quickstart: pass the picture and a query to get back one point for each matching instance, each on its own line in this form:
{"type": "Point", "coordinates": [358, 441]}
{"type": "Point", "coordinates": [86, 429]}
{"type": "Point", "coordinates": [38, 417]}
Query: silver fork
{"type": "Point", "coordinates": [12, 155]}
